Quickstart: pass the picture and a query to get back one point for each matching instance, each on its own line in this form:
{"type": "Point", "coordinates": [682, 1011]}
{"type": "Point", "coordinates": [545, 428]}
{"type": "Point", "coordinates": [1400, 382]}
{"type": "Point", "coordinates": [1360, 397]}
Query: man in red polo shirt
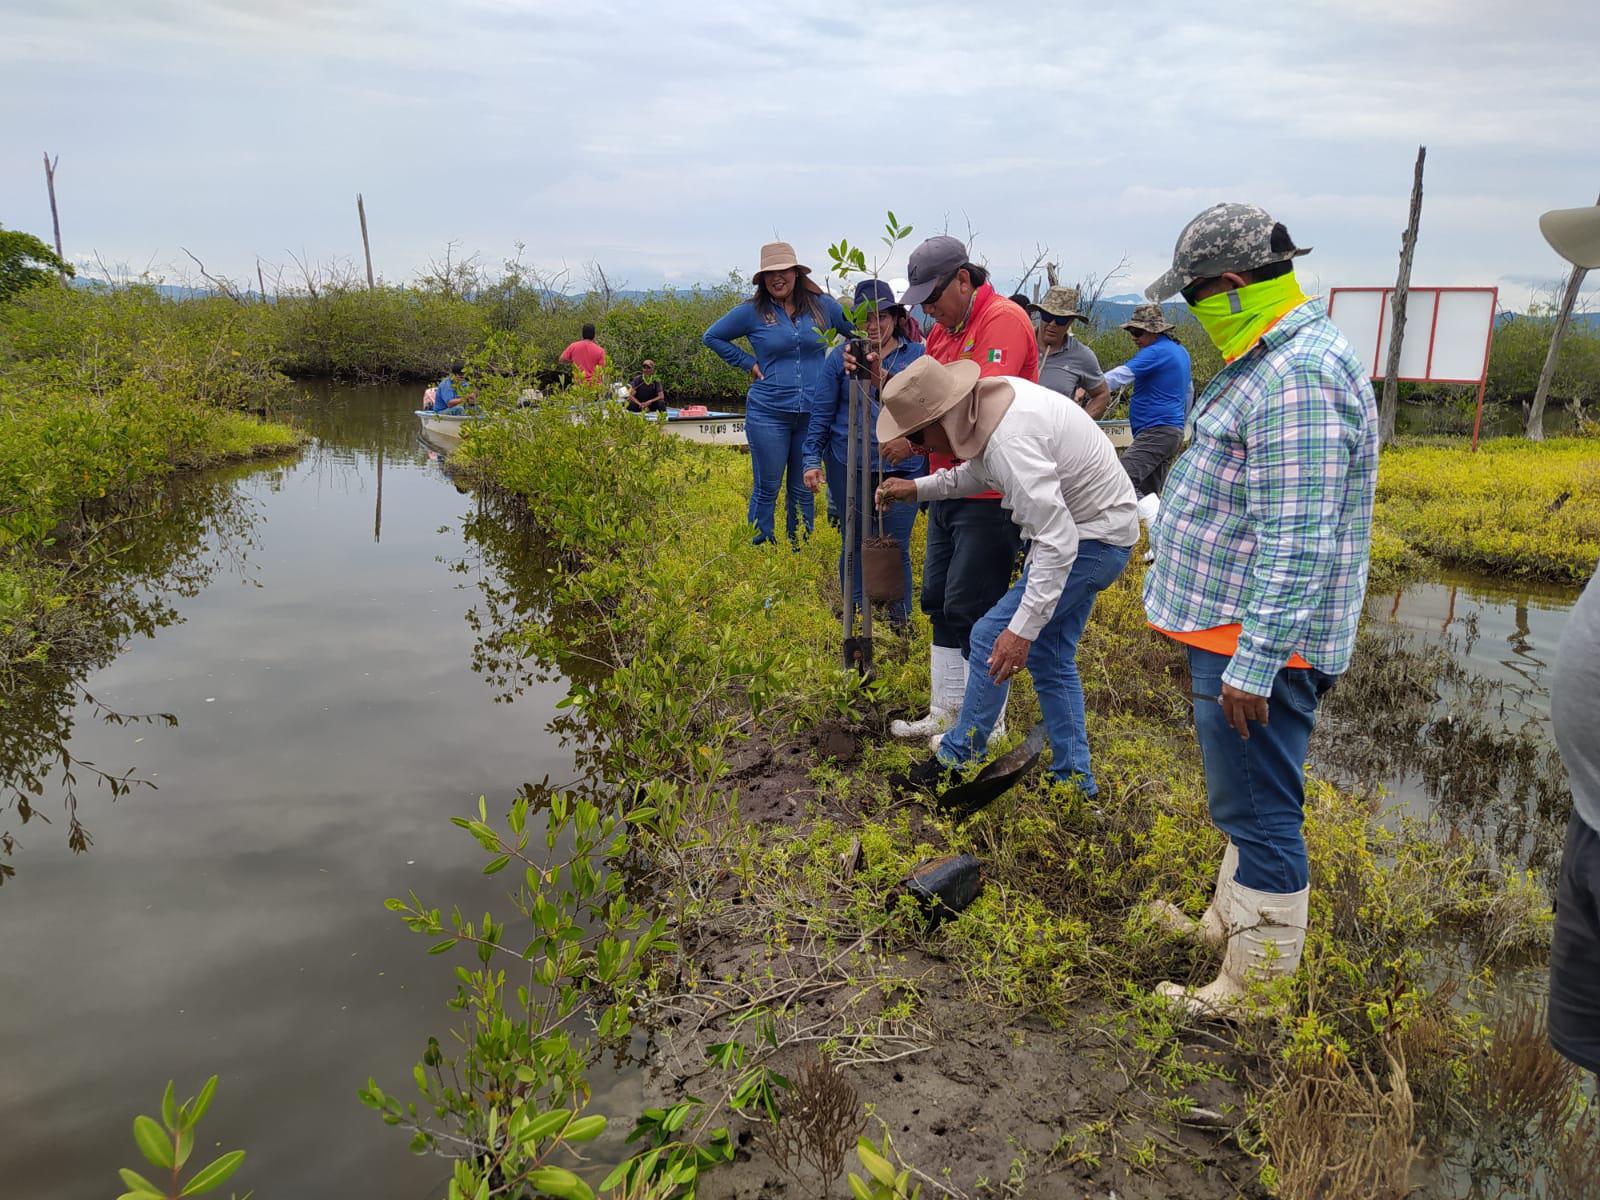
{"type": "Point", "coordinates": [972, 543]}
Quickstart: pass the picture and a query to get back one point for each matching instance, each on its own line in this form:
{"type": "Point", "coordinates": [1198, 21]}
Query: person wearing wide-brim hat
{"type": "Point", "coordinates": [783, 322]}
{"type": "Point", "coordinates": [1067, 365]}
{"type": "Point", "coordinates": [828, 439]}
{"type": "Point", "coordinates": [1160, 373]}
{"type": "Point", "coordinates": [1072, 501]}
{"type": "Point", "coordinates": [1574, 233]}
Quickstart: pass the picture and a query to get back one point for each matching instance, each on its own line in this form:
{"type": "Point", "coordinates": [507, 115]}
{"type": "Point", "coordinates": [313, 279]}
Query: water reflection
{"type": "Point", "coordinates": [231, 921]}
{"type": "Point", "coordinates": [126, 574]}
{"type": "Point", "coordinates": [1445, 710]}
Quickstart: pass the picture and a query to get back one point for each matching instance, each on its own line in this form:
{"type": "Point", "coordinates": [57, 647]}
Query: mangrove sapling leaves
{"type": "Point", "coordinates": [153, 1142]}
{"type": "Point", "coordinates": [214, 1174]}
{"type": "Point", "coordinates": [137, 1183]}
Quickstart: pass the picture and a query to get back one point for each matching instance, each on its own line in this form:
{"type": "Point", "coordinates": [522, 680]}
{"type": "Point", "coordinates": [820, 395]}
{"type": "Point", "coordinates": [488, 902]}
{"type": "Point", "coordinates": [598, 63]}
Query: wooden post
{"type": "Point", "coordinates": [1397, 326]}
{"type": "Point", "coordinates": [366, 246]}
{"type": "Point", "coordinates": [55, 217]}
{"type": "Point", "coordinates": [1535, 424]}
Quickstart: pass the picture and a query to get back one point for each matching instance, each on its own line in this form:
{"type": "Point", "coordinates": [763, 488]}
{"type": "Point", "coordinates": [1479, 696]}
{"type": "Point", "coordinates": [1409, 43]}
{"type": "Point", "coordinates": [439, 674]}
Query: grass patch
{"type": "Point", "coordinates": [1515, 508]}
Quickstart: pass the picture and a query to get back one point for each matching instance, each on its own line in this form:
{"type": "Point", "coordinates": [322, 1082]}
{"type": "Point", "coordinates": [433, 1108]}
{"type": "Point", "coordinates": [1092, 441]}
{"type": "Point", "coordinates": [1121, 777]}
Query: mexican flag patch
{"type": "Point", "coordinates": [997, 355]}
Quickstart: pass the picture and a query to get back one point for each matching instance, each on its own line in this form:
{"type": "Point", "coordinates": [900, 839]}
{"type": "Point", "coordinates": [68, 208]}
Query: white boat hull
{"type": "Point", "coordinates": [709, 431]}
{"type": "Point", "coordinates": [443, 428]}
{"type": "Point", "coordinates": [1120, 433]}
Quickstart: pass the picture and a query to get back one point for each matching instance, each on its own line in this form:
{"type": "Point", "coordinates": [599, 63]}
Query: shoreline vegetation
{"type": "Point", "coordinates": [103, 400]}
{"type": "Point", "coordinates": [726, 884]}
{"type": "Point", "coordinates": [1014, 1050]}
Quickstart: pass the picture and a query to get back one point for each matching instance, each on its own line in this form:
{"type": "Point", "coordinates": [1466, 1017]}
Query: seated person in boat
{"type": "Point", "coordinates": [447, 397]}
{"type": "Point", "coordinates": [645, 393]}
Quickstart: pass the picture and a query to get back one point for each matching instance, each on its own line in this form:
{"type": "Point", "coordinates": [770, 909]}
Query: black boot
{"type": "Point", "coordinates": [932, 775]}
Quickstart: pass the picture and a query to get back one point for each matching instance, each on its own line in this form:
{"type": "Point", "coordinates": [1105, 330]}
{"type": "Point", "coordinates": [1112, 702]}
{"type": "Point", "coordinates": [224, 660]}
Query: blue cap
{"type": "Point", "coordinates": [878, 292]}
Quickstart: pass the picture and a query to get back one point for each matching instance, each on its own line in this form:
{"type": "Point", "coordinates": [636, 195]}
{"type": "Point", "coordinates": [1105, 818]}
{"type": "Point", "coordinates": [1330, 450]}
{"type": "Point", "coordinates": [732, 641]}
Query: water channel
{"type": "Point", "coordinates": [329, 722]}
{"type": "Point", "coordinates": [321, 667]}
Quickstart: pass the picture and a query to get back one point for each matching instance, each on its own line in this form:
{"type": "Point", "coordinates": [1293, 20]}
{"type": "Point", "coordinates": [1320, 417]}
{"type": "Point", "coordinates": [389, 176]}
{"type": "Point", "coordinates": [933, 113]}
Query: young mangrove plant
{"type": "Point", "coordinates": [167, 1145]}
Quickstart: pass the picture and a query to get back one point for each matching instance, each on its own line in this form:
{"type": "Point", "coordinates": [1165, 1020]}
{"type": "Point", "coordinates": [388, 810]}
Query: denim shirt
{"type": "Point", "coordinates": [829, 431]}
{"type": "Point", "coordinates": [789, 350]}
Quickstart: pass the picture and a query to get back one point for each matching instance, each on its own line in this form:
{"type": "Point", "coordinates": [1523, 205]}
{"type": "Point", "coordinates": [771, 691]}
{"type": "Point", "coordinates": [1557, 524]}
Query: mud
{"type": "Point", "coordinates": [979, 1100]}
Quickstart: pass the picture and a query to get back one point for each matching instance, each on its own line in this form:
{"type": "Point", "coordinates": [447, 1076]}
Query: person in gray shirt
{"type": "Point", "coordinates": [1575, 720]}
{"type": "Point", "coordinates": [1066, 365]}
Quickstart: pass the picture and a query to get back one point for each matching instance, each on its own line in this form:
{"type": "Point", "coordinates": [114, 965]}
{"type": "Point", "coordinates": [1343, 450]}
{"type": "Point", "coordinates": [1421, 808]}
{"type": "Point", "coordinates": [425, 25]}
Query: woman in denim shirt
{"type": "Point", "coordinates": [784, 323]}
{"type": "Point", "coordinates": [827, 440]}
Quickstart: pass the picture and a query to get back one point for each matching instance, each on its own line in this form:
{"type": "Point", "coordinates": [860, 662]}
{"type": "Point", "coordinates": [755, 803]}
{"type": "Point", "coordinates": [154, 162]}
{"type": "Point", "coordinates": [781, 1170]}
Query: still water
{"type": "Point", "coordinates": [329, 722]}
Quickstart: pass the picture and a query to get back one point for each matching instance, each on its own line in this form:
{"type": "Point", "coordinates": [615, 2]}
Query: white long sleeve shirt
{"type": "Point", "coordinates": [1058, 474]}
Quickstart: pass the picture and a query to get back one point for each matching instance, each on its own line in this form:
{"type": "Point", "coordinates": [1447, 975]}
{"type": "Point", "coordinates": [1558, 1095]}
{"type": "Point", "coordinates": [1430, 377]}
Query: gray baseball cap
{"type": "Point", "coordinates": [1226, 237]}
{"type": "Point", "coordinates": [931, 263]}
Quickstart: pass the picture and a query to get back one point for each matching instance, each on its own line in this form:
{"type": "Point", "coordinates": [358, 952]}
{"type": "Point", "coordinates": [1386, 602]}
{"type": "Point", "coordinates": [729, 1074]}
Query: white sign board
{"type": "Point", "coordinates": [1448, 331]}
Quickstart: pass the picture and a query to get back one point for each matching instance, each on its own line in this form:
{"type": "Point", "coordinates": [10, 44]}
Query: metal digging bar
{"type": "Point", "coordinates": [858, 500]}
{"type": "Point", "coordinates": [847, 531]}
{"type": "Point", "coordinates": [868, 504]}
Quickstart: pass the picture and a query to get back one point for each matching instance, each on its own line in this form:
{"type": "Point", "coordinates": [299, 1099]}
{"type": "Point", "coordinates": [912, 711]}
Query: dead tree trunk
{"type": "Point", "coordinates": [366, 246]}
{"type": "Point", "coordinates": [1397, 326]}
{"type": "Point", "coordinates": [1534, 427]}
{"type": "Point", "coordinates": [55, 217]}
{"type": "Point", "coordinates": [261, 282]}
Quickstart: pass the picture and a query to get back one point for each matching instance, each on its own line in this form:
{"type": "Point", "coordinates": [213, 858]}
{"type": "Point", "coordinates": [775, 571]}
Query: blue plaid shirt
{"type": "Point", "coordinates": [1266, 521]}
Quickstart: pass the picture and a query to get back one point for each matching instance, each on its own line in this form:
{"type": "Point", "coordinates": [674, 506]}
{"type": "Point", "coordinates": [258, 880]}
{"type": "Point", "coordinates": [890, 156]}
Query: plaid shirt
{"type": "Point", "coordinates": [1267, 520]}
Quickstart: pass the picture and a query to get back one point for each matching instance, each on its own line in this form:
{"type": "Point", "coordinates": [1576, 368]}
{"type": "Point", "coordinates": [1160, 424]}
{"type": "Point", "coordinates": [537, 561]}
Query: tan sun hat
{"type": "Point", "coordinates": [1148, 318]}
{"type": "Point", "coordinates": [1574, 233]}
{"type": "Point", "coordinates": [1060, 302]}
{"type": "Point", "coordinates": [922, 393]}
{"type": "Point", "coordinates": [779, 256]}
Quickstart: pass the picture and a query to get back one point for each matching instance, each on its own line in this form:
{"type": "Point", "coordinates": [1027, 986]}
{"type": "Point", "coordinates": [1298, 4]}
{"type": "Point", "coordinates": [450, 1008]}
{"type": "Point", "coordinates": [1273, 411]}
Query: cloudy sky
{"type": "Point", "coordinates": [668, 140]}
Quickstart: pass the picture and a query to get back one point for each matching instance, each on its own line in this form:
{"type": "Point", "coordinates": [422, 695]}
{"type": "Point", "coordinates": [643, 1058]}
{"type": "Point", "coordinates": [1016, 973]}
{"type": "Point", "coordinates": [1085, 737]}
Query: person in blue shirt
{"type": "Point", "coordinates": [785, 323]}
{"type": "Point", "coordinates": [447, 397]}
{"type": "Point", "coordinates": [1159, 372]}
{"type": "Point", "coordinates": [827, 443]}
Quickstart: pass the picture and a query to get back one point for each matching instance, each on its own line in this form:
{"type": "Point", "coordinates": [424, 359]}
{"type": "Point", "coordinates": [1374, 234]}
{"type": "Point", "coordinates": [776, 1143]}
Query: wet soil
{"type": "Point", "coordinates": [981, 1101]}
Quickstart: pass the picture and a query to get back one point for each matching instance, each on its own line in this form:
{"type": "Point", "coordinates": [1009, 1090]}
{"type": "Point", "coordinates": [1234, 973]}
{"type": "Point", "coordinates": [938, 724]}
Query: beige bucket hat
{"type": "Point", "coordinates": [922, 393]}
{"type": "Point", "coordinates": [1148, 318]}
{"type": "Point", "coordinates": [1574, 233]}
{"type": "Point", "coordinates": [1060, 302]}
{"type": "Point", "coordinates": [779, 256]}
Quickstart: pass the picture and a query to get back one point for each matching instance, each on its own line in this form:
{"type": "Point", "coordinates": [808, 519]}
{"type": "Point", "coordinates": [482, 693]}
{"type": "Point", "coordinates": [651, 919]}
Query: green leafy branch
{"type": "Point", "coordinates": [167, 1145]}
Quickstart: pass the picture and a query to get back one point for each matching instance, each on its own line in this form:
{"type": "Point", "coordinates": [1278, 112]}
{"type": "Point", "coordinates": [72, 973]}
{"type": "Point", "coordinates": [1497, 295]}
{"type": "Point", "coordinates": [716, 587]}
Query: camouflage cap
{"type": "Point", "coordinates": [1148, 318]}
{"type": "Point", "coordinates": [1226, 237]}
{"type": "Point", "coordinates": [1060, 302]}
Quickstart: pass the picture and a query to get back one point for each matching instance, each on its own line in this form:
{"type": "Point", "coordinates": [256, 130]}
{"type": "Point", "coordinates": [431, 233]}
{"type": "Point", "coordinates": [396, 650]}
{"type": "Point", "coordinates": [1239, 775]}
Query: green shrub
{"type": "Point", "coordinates": [1518, 508]}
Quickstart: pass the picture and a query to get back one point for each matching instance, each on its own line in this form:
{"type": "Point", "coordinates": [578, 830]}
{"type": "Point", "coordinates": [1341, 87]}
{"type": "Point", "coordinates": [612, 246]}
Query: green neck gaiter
{"type": "Point", "coordinates": [1235, 321]}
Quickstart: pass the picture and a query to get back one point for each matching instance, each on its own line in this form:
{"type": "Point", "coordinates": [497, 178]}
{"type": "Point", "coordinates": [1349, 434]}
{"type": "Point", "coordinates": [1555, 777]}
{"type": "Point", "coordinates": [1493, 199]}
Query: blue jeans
{"type": "Point", "coordinates": [966, 567]}
{"type": "Point", "coordinates": [1052, 661]}
{"type": "Point", "coordinates": [897, 523]}
{"type": "Point", "coordinates": [777, 439]}
{"type": "Point", "coordinates": [1257, 788]}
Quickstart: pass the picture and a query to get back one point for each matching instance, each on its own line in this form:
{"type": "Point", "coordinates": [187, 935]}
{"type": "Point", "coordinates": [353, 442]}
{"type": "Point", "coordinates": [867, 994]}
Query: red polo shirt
{"type": "Point", "coordinates": [998, 336]}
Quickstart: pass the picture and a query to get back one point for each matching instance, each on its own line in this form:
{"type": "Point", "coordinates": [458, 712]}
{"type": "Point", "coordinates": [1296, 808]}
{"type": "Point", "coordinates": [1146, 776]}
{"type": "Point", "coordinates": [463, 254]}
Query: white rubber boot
{"type": "Point", "coordinates": [999, 729]}
{"type": "Point", "coordinates": [1209, 929]}
{"type": "Point", "coordinates": [1266, 933]}
{"type": "Point", "coordinates": [946, 679]}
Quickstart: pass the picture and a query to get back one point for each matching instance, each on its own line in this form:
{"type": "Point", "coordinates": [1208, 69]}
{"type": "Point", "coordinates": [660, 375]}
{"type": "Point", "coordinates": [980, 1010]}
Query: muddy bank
{"type": "Point", "coordinates": [976, 1098]}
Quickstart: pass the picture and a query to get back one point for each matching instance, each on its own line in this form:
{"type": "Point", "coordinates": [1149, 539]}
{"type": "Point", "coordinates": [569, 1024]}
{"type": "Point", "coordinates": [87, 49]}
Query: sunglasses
{"type": "Point", "coordinates": [1191, 294]}
{"type": "Point", "coordinates": [1051, 319]}
{"type": "Point", "coordinates": [933, 296]}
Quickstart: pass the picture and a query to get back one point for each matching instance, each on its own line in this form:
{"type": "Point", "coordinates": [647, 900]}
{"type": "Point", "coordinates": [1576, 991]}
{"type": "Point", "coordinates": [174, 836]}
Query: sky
{"type": "Point", "coordinates": [668, 141]}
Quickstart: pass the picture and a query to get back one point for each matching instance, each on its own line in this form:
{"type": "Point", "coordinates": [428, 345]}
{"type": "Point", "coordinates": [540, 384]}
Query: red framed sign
{"type": "Point", "coordinates": [1449, 331]}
